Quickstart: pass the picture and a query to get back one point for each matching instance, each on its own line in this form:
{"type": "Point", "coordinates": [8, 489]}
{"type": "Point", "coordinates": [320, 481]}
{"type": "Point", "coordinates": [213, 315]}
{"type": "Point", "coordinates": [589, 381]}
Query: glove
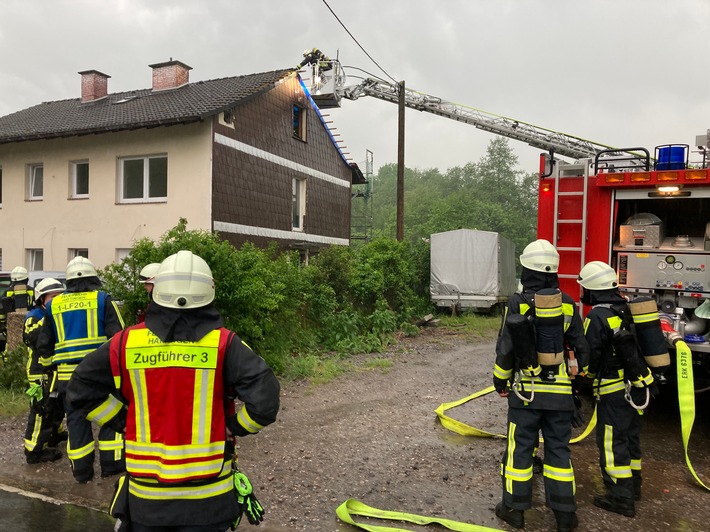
{"type": "Point", "coordinates": [577, 416]}
{"type": "Point", "coordinates": [248, 503]}
{"type": "Point", "coordinates": [253, 509]}
{"type": "Point", "coordinates": [501, 386]}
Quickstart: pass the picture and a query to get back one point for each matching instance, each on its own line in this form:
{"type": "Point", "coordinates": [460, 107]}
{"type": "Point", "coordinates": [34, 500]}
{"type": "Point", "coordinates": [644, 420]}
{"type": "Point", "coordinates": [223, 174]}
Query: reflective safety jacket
{"type": "Point", "coordinates": [172, 433]}
{"type": "Point", "coordinates": [17, 297]}
{"type": "Point", "coordinates": [175, 426]}
{"type": "Point", "coordinates": [77, 326]}
{"type": "Point", "coordinates": [33, 322]}
{"type": "Point", "coordinates": [549, 395]}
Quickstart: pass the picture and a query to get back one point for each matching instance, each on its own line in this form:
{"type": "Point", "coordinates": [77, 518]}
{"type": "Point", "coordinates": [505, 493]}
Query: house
{"type": "Point", "coordinates": [249, 157]}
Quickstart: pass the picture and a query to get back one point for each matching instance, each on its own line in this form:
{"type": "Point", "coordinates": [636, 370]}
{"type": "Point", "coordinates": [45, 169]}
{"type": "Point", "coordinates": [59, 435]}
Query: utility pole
{"type": "Point", "coordinates": [400, 166]}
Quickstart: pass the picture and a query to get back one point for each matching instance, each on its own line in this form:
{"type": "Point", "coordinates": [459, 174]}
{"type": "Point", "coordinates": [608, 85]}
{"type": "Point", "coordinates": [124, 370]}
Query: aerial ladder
{"type": "Point", "coordinates": [328, 86]}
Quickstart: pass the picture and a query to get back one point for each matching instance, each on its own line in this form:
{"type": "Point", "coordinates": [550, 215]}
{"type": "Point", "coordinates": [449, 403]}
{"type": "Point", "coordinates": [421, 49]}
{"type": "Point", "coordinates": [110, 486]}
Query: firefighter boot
{"type": "Point", "coordinates": [45, 455]}
{"type": "Point", "coordinates": [566, 521]}
{"type": "Point", "coordinates": [619, 505]}
{"type": "Point", "coordinates": [637, 488]}
{"type": "Point", "coordinates": [514, 518]}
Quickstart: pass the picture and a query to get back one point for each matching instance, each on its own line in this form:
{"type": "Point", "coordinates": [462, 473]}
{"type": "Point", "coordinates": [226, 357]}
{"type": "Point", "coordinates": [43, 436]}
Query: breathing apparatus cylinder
{"type": "Point", "coordinates": [522, 336]}
{"type": "Point", "coordinates": [649, 334]}
{"type": "Point", "coordinates": [549, 331]}
{"type": "Point", "coordinates": [625, 347]}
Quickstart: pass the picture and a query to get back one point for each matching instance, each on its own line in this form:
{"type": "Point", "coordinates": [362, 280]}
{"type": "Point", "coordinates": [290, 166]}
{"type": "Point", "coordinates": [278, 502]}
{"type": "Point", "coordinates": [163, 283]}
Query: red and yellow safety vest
{"type": "Point", "coordinates": [175, 426]}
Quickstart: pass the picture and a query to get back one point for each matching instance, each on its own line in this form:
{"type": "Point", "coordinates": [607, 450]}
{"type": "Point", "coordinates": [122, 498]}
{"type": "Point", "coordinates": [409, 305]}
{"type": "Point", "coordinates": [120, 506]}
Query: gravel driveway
{"type": "Point", "coordinates": [372, 435]}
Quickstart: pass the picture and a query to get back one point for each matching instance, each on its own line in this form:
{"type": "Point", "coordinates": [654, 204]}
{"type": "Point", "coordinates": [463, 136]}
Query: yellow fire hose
{"type": "Point", "coordinates": [467, 430]}
{"type": "Point", "coordinates": [355, 507]}
{"type": "Point", "coordinates": [686, 399]}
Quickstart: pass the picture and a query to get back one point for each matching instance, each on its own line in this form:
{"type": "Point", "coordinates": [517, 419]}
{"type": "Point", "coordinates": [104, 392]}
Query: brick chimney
{"type": "Point", "coordinates": [170, 75]}
{"type": "Point", "coordinates": [94, 85]}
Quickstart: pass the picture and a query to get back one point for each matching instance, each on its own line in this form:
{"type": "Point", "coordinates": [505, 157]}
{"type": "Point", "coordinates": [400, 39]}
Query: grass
{"type": "Point", "coordinates": [13, 403]}
{"type": "Point", "coordinates": [472, 324]}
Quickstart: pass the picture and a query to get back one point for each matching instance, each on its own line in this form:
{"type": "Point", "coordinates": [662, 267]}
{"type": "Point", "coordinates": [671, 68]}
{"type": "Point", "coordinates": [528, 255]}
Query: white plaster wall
{"type": "Point", "coordinates": [99, 223]}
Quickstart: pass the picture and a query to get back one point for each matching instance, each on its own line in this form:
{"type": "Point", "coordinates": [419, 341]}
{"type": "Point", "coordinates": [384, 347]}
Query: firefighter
{"type": "Point", "coordinates": [622, 382]}
{"type": "Point", "coordinates": [44, 422]}
{"type": "Point", "coordinates": [77, 322]}
{"type": "Point", "coordinates": [171, 381]}
{"type": "Point", "coordinates": [313, 56]}
{"type": "Point", "coordinates": [17, 297]}
{"type": "Point", "coordinates": [538, 322]}
{"type": "Point", "coordinates": [145, 277]}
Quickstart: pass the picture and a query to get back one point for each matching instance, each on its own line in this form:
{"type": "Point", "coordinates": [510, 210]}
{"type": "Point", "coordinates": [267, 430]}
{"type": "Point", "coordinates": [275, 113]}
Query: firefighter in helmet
{"type": "Point", "coordinates": [146, 277]}
{"type": "Point", "coordinates": [44, 422]}
{"type": "Point", "coordinates": [18, 296]}
{"type": "Point", "coordinates": [622, 383]}
{"type": "Point", "coordinates": [534, 373]}
{"type": "Point", "coordinates": [313, 56]}
{"type": "Point", "coordinates": [77, 322]}
{"type": "Point", "coordinates": [179, 461]}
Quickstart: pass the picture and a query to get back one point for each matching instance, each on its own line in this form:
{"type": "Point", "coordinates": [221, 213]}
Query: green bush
{"type": "Point", "coordinates": [13, 370]}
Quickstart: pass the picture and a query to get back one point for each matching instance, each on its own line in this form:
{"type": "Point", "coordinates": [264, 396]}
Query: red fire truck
{"type": "Point", "coordinates": [648, 215]}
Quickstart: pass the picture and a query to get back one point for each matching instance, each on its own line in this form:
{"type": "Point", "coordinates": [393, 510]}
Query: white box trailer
{"type": "Point", "coordinates": [471, 269]}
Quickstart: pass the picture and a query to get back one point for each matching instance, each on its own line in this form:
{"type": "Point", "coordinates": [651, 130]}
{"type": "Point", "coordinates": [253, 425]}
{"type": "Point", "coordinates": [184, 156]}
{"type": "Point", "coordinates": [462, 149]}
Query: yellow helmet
{"type": "Point", "coordinates": [597, 275]}
{"type": "Point", "coordinates": [184, 281]}
{"type": "Point", "coordinates": [540, 256]}
{"type": "Point", "coordinates": [80, 267]}
{"type": "Point", "coordinates": [18, 273]}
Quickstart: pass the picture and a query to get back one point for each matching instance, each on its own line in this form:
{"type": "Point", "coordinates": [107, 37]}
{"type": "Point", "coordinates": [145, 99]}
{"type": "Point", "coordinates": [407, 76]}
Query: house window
{"type": "Point", "coordinates": [143, 179]}
{"type": "Point", "coordinates": [299, 122]}
{"type": "Point", "coordinates": [299, 203]}
{"type": "Point", "coordinates": [122, 253]}
{"type": "Point", "coordinates": [35, 181]}
{"type": "Point", "coordinates": [227, 118]}
{"type": "Point", "coordinates": [78, 252]}
{"type": "Point", "coordinates": [35, 259]}
{"type": "Point", "coordinates": [79, 186]}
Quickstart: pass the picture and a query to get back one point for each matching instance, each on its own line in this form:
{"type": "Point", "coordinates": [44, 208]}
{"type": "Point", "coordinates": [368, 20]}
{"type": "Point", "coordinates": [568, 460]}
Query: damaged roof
{"type": "Point", "coordinates": [136, 109]}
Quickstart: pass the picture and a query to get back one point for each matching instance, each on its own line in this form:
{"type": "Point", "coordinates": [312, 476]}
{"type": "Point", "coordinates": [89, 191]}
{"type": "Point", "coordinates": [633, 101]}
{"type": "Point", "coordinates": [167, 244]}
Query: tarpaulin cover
{"type": "Point", "coordinates": [471, 262]}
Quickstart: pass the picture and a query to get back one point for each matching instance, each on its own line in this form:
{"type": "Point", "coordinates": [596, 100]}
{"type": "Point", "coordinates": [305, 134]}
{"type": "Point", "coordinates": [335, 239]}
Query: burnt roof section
{"type": "Point", "coordinates": [136, 109]}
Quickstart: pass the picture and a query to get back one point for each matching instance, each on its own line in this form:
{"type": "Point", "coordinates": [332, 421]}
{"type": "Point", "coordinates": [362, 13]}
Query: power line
{"type": "Point", "coordinates": [356, 41]}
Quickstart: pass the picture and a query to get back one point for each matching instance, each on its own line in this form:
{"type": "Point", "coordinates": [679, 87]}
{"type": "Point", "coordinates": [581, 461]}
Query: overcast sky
{"type": "Point", "coordinates": [619, 72]}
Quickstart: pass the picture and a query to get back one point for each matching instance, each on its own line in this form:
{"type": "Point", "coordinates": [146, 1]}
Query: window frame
{"type": "Point", "coordinates": [146, 179]}
{"type": "Point", "coordinates": [73, 178]}
{"type": "Point", "coordinates": [121, 253]}
{"type": "Point", "coordinates": [31, 254]}
{"type": "Point", "coordinates": [32, 180]}
{"type": "Point", "coordinates": [298, 203]}
{"type": "Point", "coordinates": [299, 115]}
{"type": "Point", "coordinates": [73, 253]}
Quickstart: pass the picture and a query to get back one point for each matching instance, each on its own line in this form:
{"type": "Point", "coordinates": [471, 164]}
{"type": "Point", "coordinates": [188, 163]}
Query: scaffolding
{"type": "Point", "coordinates": [361, 218]}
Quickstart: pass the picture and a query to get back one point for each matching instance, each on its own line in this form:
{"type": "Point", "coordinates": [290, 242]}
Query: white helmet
{"type": "Point", "coordinates": [18, 273]}
{"type": "Point", "coordinates": [597, 275]}
{"type": "Point", "coordinates": [540, 256]}
{"type": "Point", "coordinates": [148, 272]}
{"type": "Point", "coordinates": [47, 286]}
{"type": "Point", "coordinates": [183, 281]}
{"type": "Point", "coordinates": [80, 267]}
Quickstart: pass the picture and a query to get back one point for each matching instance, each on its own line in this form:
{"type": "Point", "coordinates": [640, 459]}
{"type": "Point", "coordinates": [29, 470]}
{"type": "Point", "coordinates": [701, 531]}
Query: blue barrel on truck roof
{"type": "Point", "coordinates": [672, 157]}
